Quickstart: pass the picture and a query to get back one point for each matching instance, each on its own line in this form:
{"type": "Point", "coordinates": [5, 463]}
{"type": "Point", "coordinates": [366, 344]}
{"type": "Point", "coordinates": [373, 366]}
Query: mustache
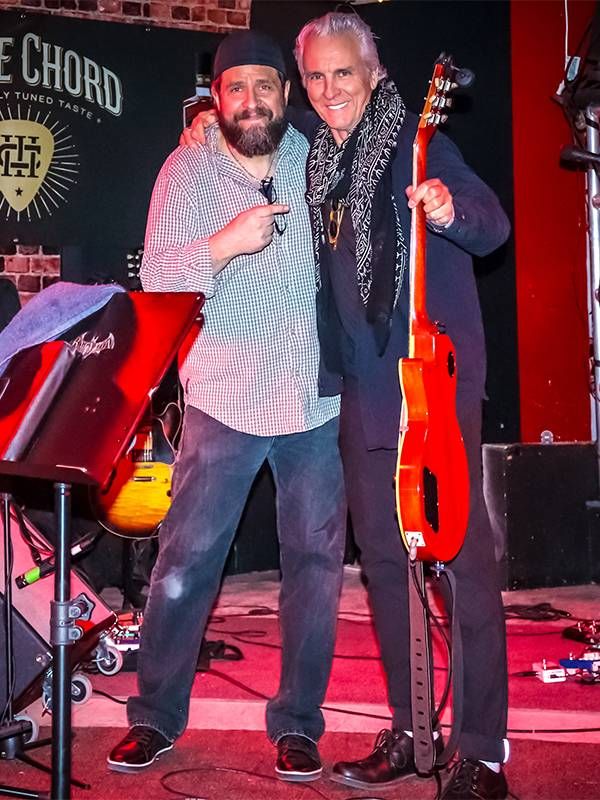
{"type": "Point", "coordinates": [259, 111]}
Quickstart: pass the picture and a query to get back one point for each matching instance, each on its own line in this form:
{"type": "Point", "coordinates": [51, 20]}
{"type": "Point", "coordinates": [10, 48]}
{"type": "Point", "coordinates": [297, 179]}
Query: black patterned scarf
{"type": "Point", "coordinates": [359, 173]}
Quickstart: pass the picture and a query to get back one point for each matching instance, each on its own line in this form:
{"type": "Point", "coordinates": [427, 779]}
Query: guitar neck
{"type": "Point", "coordinates": [418, 234]}
{"type": "Point", "coordinates": [418, 318]}
{"type": "Point", "coordinates": [432, 115]}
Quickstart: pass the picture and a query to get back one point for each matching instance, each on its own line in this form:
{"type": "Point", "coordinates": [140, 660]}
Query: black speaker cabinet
{"type": "Point", "coordinates": [31, 615]}
{"type": "Point", "coordinates": [541, 504]}
{"type": "Point", "coordinates": [256, 547]}
{"type": "Point", "coordinates": [31, 654]}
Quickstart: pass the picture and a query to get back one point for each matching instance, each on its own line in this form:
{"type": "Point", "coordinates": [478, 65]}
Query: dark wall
{"type": "Point", "coordinates": [115, 157]}
{"type": "Point", "coordinates": [411, 36]}
{"type": "Point", "coordinates": [119, 157]}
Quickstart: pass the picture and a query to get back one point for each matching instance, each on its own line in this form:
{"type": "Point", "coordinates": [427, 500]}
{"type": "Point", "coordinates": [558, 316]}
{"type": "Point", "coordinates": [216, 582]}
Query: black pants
{"type": "Point", "coordinates": [369, 483]}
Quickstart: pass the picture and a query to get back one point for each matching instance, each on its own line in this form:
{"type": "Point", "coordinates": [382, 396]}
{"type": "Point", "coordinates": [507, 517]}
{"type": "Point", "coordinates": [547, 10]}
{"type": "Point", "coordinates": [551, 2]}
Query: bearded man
{"type": "Point", "coordinates": [229, 219]}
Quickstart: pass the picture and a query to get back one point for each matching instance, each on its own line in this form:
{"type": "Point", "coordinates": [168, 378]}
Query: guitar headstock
{"type": "Point", "coordinates": [446, 77]}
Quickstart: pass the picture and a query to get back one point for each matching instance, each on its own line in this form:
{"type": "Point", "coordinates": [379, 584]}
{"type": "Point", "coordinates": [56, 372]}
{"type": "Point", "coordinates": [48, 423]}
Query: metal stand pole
{"type": "Point", "coordinates": [592, 117]}
{"type": "Point", "coordinates": [61, 625]}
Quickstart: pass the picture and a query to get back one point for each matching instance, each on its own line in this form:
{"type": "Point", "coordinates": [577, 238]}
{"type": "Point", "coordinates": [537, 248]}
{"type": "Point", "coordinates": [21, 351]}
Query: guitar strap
{"type": "Point", "coordinates": [420, 670]}
{"type": "Point", "coordinates": [424, 718]}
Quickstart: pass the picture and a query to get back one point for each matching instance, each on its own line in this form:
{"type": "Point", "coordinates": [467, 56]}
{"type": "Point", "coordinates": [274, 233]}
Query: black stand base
{"type": "Point", "coordinates": [13, 736]}
{"type": "Point", "coordinates": [13, 739]}
{"type": "Point", "coordinates": [9, 791]}
{"type": "Point", "coordinates": [14, 744]}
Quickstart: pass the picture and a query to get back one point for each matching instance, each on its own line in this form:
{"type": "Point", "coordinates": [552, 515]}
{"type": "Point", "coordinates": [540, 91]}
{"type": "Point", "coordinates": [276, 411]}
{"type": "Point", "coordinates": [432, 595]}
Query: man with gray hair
{"type": "Point", "coordinates": [359, 171]}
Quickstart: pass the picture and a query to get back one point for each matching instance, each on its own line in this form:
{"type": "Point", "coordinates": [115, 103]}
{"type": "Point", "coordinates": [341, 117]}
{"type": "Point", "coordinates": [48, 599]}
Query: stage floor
{"type": "Point", "coordinates": [554, 728]}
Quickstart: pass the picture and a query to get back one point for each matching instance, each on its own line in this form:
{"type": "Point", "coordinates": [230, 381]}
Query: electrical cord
{"type": "Point", "coordinates": [109, 697]}
{"type": "Point", "coordinates": [384, 717]}
{"type": "Point", "coordinates": [539, 612]}
{"type": "Point", "coordinates": [532, 634]}
{"type": "Point", "coordinates": [242, 637]}
{"type": "Point", "coordinates": [36, 544]}
{"type": "Point", "coordinates": [236, 635]}
{"type": "Point", "coordinates": [233, 770]}
{"type": "Point", "coordinates": [347, 711]}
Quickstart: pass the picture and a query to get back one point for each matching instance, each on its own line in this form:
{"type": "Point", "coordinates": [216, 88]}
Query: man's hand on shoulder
{"type": "Point", "coordinates": [437, 201]}
{"type": "Point", "coordinates": [195, 135]}
{"type": "Point", "coordinates": [250, 232]}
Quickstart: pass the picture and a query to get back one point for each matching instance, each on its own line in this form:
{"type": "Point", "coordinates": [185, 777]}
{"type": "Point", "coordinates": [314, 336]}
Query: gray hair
{"type": "Point", "coordinates": [333, 24]}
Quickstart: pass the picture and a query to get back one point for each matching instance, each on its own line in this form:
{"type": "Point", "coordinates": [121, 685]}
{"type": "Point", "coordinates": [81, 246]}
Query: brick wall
{"type": "Point", "coordinates": [29, 267]}
{"type": "Point", "coordinates": [217, 16]}
{"type": "Point", "coordinates": [33, 267]}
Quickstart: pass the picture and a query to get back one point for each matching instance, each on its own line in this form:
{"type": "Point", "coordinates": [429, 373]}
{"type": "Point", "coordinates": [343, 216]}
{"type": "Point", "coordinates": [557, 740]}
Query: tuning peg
{"type": "Point", "coordinates": [464, 77]}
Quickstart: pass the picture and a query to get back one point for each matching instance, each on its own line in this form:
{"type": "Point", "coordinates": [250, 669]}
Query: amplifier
{"type": "Point", "coordinates": [540, 502]}
{"type": "Point", "coordinates": [31, 614]}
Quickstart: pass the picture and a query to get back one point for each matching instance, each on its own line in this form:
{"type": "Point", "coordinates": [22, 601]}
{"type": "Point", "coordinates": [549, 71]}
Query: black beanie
{"type": "Point", "coordinates": [247, 47]}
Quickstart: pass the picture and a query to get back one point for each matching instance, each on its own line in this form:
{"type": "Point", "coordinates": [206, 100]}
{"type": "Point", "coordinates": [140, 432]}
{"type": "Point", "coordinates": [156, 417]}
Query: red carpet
{"type": "Point", "coordinates": [537, 771]}
{"type": "Point", "coordinates": [226, 722]}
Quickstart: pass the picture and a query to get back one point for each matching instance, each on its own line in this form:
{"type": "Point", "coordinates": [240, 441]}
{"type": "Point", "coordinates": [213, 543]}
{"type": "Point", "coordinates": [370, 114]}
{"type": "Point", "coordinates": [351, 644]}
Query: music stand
{"type": "Point", "coordinates": [80, 438]}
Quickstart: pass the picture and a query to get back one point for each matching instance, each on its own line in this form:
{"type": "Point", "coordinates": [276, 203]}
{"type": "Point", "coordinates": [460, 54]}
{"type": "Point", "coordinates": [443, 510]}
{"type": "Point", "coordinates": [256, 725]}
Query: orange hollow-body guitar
{"type": "Point", "coordinates": [432, 480]}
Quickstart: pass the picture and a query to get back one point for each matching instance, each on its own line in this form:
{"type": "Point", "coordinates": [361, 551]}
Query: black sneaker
{"type": "Point", "coordinates": [297, 759]}
{"type": "Point", "coordinates": [391, 761]}
{"type": "Point", "coordinates": [472, 780]}
{"type": "Point", "coordinates": [140, 748]}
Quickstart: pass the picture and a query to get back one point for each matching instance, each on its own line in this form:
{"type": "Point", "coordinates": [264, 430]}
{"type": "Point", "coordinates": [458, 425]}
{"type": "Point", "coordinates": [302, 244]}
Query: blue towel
{"type": "Point", "coordinates": [51, 312]}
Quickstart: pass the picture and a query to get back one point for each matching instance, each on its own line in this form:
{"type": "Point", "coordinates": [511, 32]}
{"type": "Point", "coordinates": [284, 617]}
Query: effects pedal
{"type": "Point", "coordinates": [549, 671]}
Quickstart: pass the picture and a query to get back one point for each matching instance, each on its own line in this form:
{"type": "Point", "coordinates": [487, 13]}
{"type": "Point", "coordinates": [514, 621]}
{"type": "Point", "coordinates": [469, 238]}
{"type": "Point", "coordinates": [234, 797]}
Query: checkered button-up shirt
{"type": "Point", "coordinates": [254, 364]}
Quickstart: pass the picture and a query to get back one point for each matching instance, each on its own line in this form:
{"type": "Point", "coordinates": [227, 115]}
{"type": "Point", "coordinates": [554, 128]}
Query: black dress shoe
{"type": "Point", "coordinates": [140, 748]}
{"type": "Point", "coordinates": [391, 761]}
{"type": "Point", "coordinates": [472, 780]}
{"type": "Point", "coordinates": [297, 759]}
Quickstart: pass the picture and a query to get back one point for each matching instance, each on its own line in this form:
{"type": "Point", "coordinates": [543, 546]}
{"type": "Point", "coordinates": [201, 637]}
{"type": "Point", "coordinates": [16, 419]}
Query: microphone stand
{"type": "Point", "coordinates": [589, 160]}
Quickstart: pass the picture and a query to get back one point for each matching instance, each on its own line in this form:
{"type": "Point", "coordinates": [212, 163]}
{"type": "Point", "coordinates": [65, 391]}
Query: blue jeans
{"type": "Point", "coordinates": [215, 469]}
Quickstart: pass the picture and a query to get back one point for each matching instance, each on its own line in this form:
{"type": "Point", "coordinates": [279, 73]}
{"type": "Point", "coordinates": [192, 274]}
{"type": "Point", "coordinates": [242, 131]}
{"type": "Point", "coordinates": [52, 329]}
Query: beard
{"type": "Point", "coordinates": [258, 140]}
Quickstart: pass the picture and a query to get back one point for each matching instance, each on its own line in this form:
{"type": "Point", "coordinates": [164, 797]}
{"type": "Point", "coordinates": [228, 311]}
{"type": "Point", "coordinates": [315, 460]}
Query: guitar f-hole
{"type": "Point", "coordinates": [430, 499]}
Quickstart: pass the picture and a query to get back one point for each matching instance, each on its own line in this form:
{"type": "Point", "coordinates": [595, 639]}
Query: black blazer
{"type": "Point", "coordinates": [479, 228]}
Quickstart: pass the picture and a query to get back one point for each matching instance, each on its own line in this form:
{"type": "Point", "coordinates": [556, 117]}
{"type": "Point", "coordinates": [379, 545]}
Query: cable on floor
{"type": "Point", "coordinates": [540, 612]}
{"type": "Point", "coordinates": [109, 697]}
{"type": "Point", "coordinates": [236, 770]}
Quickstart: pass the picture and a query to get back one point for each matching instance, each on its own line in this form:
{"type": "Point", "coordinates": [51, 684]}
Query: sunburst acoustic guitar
{"type": "Point", "coordinates": [139, 495]}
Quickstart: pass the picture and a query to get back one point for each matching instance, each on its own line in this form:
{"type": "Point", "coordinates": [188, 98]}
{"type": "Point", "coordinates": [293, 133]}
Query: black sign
{"type": "Point", "coordinates": [88, 113]}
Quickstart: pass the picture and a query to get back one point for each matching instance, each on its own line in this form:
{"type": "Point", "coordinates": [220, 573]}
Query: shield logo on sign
{"type": "Point", "coordinates": [26, 151]}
